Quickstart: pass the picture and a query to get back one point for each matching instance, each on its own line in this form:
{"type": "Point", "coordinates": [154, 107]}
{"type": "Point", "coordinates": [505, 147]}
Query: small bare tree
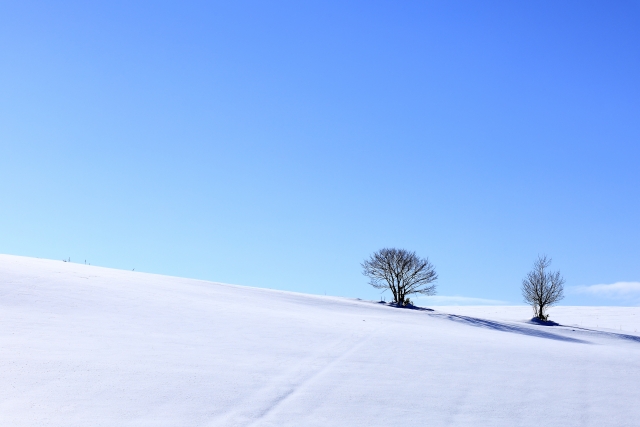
{"type": "Point", "coordinates": [542, 288]}
{"type": "Point", "coordinates": [402, 272]}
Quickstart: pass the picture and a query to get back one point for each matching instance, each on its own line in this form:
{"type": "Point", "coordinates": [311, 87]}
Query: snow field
{"type": "Point", "coordinates": [83, 345]}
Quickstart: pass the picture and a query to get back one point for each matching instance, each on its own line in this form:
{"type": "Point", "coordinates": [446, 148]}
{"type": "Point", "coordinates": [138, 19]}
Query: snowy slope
{"type": "Point", "coordinates": [88, 346]}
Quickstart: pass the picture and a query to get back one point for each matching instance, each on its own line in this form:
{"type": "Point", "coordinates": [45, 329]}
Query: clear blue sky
{"type": "Point", "coordinates": [278, 144]}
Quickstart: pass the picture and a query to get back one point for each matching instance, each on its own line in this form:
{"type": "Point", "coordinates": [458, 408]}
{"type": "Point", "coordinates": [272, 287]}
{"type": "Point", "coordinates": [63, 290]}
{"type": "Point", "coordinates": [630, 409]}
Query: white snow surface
{"type": "Point", "coordinates": [89, 346]}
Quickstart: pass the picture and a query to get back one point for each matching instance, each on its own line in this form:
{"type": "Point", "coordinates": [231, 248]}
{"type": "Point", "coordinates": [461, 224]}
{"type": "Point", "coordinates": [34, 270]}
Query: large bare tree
{"type": "Point", "coordinates": [542, 288]}
{"type": "Point", "coordinates": [402, 272]}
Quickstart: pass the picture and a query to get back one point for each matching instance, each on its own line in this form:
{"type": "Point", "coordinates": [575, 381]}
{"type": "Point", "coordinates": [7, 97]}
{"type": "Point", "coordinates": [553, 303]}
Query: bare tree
{"type": "Point", "coordinates": [542, 288]}
{"type": "Point", "coordinates": [402, 272]}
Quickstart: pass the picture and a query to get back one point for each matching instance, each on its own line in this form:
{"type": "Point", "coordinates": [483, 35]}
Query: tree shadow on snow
{"type": "Point", "coordinates": [405, 307]}
{"type": "Point", "coordinates": [505, 327]}
{"type": "Point", "coordinates": [621, 336]}
{"type": "Point", "coordinates": [537, 321]}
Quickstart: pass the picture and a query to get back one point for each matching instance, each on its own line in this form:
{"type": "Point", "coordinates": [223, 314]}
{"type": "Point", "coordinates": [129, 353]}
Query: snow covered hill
{"type": "Point", "coordinates": [89, 346]}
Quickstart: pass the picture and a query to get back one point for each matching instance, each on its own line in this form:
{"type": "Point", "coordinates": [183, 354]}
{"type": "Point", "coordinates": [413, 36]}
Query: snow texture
{"type": "Point", "coordinates": [89, 346]}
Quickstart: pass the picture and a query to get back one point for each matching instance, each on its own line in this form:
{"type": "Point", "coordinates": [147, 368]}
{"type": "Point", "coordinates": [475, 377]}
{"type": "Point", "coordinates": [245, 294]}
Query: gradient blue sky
{"type": "Point", "coordinates": [278, 144]}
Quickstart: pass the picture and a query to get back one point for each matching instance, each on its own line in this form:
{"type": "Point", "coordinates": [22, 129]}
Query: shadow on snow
{"type": "Point", "coordinates": [405, 307]}
{"type": "Point", "coordinates": [621, 336]}
{"type": "Point", "coordinates": [505, 327]}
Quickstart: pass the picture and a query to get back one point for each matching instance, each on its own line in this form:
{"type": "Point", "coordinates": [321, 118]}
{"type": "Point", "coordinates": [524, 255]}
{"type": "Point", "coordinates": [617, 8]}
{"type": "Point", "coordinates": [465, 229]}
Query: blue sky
{"type": "Point", "coordinates": [278, 144]}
